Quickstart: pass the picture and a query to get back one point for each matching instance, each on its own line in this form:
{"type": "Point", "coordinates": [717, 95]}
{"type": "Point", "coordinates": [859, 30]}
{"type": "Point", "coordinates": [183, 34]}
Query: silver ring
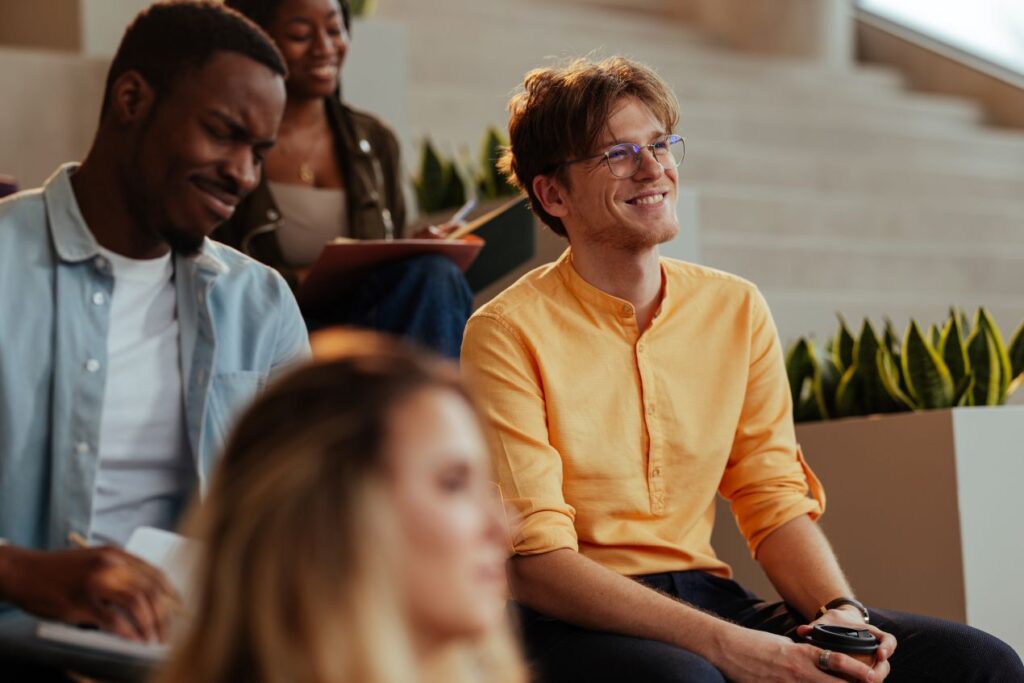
{"type": "Point", "coordinates": [823, 657]}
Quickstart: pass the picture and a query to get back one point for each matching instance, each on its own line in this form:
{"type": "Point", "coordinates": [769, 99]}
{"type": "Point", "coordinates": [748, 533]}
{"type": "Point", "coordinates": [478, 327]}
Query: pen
{"type": "Point", "coordinates": [463, 211]}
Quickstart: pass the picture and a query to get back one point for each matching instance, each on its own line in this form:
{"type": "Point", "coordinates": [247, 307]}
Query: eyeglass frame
{"type": "Point", "coordinates": [637, 152]}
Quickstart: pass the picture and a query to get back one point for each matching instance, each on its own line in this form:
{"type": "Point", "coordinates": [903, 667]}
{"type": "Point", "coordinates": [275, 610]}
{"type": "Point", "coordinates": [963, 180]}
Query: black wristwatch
{"type": "Point", "coordinates": [839, 602]}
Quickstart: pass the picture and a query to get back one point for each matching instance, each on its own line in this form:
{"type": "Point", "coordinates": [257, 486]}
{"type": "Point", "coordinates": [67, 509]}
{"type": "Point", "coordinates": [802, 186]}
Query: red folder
{"type": "Point", "coordinates": [342, 261]}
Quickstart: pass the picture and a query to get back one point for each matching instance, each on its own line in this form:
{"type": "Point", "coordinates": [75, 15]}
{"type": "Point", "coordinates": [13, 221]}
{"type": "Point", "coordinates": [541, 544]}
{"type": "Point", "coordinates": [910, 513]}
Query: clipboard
{"type": "Point", "coordinates": [342, 261]}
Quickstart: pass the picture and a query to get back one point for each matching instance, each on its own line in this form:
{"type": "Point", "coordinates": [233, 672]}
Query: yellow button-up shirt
{"type": "Point", "coordinates": [614, 442]}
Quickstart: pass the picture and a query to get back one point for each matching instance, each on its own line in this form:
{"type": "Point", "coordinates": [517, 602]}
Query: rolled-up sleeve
{"type": "Point", "coordinates": [506, 378]}
{"type": "Point", "coordinates": [767, 481]}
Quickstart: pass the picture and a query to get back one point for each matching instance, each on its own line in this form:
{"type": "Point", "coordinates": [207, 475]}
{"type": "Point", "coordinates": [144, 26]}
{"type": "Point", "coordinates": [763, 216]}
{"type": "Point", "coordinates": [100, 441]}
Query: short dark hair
{"type": "Point", "coordinates": [262, 11]}
{"type": "Point", "coordinates": [561, 112]}
{"type": "Point", "coordinates": [169, 38]}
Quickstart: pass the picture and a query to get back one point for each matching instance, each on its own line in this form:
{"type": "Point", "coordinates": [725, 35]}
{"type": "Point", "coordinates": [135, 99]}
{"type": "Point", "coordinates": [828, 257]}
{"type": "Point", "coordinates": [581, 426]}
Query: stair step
{"type": "Point", "coordinates": [735, 210]}
{"type": "Point", "coordinates": [922, 269]}
{"type": "Point", "coordinates": [728, 162]}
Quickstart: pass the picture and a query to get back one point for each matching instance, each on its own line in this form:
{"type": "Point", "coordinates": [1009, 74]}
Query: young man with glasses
{"type": "Point", "coordinates": [627, 391]}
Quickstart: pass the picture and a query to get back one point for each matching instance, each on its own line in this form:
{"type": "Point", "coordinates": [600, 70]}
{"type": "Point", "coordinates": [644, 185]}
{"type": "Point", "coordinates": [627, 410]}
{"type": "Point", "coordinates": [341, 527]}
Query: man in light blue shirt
{"type": "Point", "coordinates": [130, 341]}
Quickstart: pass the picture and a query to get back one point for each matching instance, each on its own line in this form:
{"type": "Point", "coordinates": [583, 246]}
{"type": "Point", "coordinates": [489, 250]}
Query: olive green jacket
{"type": "Point", "coordinates": [368, 154]}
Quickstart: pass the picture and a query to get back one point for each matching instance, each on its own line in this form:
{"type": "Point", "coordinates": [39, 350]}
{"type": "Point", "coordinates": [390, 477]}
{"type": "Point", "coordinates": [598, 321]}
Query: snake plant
{"type": "Point", "coordinates": [955, 364]}
{"type": "Point", "coordinates": [441, 185]}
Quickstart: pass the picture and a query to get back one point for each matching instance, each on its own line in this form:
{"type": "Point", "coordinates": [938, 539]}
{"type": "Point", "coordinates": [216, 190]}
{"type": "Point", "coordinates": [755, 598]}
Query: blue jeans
{"type": "Point", "coordinates": [928, 649]}
{"type": "Point", "coordinates": [424, 299]}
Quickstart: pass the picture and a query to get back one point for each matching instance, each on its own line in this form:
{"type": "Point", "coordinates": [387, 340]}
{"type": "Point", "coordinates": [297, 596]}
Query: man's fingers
{"type": "Point", "coordinates": [886, 643]}
{"type": "Point", "coordinates": [159, 580]}
{"type": "Point", "coordinates": [133, 603]}
{"type": "Point", "coordinates": [110, 618]}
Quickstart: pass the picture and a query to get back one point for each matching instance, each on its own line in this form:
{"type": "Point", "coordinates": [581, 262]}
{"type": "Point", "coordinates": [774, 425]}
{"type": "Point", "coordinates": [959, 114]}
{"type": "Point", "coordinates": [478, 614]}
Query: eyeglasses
{"type": "Point", "coordinates": [624, 159]}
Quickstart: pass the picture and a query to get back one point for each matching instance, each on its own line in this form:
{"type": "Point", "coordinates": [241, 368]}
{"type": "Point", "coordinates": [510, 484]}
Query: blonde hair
{"type": "Point", "coordinates": [297, 577]}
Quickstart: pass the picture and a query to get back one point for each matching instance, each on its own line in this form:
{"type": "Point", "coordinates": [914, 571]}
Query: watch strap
{"type": "Point", "coordinates": [839, 602]}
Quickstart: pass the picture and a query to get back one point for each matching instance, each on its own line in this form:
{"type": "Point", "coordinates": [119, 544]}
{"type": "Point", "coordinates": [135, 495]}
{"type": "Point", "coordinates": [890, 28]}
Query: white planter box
{"type": "Point", "coordinates": [925, 511]}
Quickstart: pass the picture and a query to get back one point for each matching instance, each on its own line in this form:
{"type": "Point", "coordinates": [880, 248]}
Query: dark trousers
{"type": "Point", "coordinates": [928, 649]}
{"type": "Point", "coordinates": [424, 299]}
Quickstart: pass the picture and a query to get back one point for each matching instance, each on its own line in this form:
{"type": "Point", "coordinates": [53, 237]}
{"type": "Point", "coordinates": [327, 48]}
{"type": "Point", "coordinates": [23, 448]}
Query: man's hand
{"type": "Point", "coordinates": [851, 617]}
{"type": "Point", "coordinates": [102, 587]}
{"type": "Point", "coordinates": [760, 657]}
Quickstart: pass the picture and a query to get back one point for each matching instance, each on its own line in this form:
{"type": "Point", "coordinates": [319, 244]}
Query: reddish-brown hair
{"type": "Point", "coordinates": [561, 112]}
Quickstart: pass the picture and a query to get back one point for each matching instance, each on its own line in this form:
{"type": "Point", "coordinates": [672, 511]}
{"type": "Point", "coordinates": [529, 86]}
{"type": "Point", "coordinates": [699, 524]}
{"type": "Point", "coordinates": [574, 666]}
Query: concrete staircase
{"type": "Point", "coordinates": [831, 189]}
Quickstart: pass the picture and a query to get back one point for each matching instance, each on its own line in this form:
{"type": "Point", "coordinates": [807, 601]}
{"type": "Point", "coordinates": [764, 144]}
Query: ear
{"type": "Point", "coordinates": [552, 195]}
{"type": "Point", "coordinates": [131, 98]}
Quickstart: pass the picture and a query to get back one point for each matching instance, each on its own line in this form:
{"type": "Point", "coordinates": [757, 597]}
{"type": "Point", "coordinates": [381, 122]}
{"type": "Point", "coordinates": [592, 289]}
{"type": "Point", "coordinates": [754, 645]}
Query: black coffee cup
{"type": "Point", "coordinates": [858, 643]}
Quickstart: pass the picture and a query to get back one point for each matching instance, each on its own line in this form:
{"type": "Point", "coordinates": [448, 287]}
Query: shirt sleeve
{"type": "Point", "coordinates": [766, 480]}
{"type": "Point", "coordinates": [507, 381]}
{"type": "Point", "coordinates": [292, 345]}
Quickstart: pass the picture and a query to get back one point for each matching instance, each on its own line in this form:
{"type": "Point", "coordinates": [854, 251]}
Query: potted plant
{"type": "Point", "coordinates": [921, 463]}
{"type": "Point", "coordinates": [441, 188]}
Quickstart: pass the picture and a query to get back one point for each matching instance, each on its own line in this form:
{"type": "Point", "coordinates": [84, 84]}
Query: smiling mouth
{"type": "Point", "coordinates": [647, 199]}
{"type": "Point", "coordinates": [326, 71]}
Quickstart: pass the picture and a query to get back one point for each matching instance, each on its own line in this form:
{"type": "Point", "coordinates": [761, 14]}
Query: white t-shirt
{"type": "Point", "coordinates": [145, 473]}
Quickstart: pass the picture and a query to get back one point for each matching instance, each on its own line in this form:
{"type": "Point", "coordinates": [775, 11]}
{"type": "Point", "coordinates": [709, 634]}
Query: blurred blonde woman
{"type": "Point", "coordinates": [351, 533]}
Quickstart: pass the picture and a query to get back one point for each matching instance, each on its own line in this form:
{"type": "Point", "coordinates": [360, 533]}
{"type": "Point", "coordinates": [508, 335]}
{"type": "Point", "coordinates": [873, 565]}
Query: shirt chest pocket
{"type": "Point", "coordinates": [229, 395]}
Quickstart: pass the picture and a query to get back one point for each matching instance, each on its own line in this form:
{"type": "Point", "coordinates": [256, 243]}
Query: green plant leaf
{"type": "Point", "coordinates": [1005, 373]}
{"type": "Point", "coordinates": [848, 394]}
{"type": "Point", "coordinates": [928, 379]}
{"type": "Point", "coordinates": [491, 183]}
{"type": "Point", "coordinates": [842, 346]}
{"type": "Point", "coordinates": [431, 183]}
{"type": "Point", "coordinates": [965, 323]}
{"type": "Point", "coordinates": [892, 340]}
{"type": "Point", "coordinates": [362, 8]}
{"type": "Point", "coordinates": [1016, 353]}
{"type": "Point", "coordinates": [828, 381]}
{"type": "Point", "coordinates": [963, 396]}
{"type": "Point", "coordinates": [873, 395]}
{"type": "Point", "coordinates": [953, 350]}
{"type": "Point", "coordinates": [799, 368]}
{"type": "Point", "coordinates": [454, 194]}
{"type": "Point", "coordinates": [889, 374]}
{"type": "Point", "coordinates": [985, 368]}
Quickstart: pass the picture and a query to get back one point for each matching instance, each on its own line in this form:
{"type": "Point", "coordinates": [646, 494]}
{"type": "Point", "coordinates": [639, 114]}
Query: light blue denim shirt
{"type": "Point", "coordinates": [238, 323]}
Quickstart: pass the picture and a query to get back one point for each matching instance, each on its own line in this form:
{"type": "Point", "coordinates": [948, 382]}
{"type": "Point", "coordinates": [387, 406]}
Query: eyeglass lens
{"type": "Point", "coordinates": [624, 160]}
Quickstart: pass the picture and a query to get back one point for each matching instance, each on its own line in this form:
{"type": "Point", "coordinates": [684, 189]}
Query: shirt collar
{"type": "Point", "coordinates": [72, 238]}
{"type": "Point", "coordinates": [588, 293]}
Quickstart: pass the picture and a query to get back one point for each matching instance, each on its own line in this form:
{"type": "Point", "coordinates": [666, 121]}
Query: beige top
{"type": "Point", "coordinates": [310, 217]}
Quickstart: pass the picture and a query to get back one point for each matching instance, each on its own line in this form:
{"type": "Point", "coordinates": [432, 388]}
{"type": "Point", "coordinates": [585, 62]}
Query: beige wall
{"type": "Point", "coordinates": [51, 24]}
{"type": "Point", "coordinates": [50, 110]}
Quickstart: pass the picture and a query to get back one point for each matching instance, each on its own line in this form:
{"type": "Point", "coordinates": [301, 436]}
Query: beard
{"type": "Point", "coordinates": [181, 241]}
{"type": "Point", "coordinates": [634, 241]}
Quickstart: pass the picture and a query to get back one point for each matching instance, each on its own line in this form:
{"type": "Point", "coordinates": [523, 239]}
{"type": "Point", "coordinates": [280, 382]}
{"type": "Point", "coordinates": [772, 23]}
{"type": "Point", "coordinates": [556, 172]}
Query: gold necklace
{"type": "Point", "coordinates": [306, 173]}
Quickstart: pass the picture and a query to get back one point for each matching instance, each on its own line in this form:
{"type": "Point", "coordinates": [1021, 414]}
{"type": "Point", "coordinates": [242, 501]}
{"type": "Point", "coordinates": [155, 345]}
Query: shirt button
{"type": "Point", "coordinates": [99, 298]}
{"type": "Point", "coordinates": [626, 310]}
{"type": "Point", "coordinates": [82, 448]}
{"type": "Point", "coordinates": [650, 410]}
{"type": "Point", "coordinates": [101, 263]}
{"type": "Point", "coordinates": [92, 365]}
{"type": "Point", "coordinates": [656, 472]}
{"type": "Point", "coordinates": [639, 348]}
